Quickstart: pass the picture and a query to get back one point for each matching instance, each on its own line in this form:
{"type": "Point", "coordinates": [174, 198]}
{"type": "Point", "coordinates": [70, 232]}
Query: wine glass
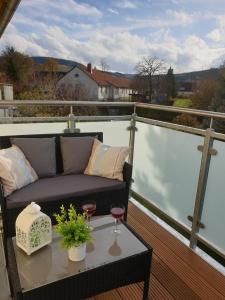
{"type": "Point", "coordinates": [117, 212]}
{"type": "Point", "coordinates": [89, 209]}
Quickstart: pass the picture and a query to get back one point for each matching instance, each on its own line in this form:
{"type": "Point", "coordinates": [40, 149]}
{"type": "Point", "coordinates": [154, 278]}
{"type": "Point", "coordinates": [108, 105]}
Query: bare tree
{"type": "Point", "coordinates": [104, 65]}
{"type": "Point", "coordinates": [149, 67]}
{"type": "Point", "coordinates": [203, 94]}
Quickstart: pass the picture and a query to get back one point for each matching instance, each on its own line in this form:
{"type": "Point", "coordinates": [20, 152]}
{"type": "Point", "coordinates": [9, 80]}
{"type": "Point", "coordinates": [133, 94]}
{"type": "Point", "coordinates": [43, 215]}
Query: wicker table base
{"type": "Point", "coordinates": [111, 262]}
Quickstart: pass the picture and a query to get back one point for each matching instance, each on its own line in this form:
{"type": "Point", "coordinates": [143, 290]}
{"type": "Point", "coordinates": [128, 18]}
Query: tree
{"type": "Point", "coordinates": [170, 84]}
{"type": "Point", "coordinates": [149, 67]}
{"type": "Point", "coordinates": [186, 120]}
{"type": "Point", "coordinates": [17, 66]}
{"type": "Point", "coordinates": [218, 102]}
{"type": "Point", "coordinates": [50, 65]}
{"type": "Point", "coordinates": [203, 94]}
{"type": "Point", "coordinates": [104, 65]}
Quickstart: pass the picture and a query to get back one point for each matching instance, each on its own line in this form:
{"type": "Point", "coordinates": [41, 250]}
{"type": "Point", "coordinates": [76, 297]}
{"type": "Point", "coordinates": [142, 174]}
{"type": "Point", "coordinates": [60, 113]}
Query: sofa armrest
{"type": "Point", "coordinates": [127, 174]}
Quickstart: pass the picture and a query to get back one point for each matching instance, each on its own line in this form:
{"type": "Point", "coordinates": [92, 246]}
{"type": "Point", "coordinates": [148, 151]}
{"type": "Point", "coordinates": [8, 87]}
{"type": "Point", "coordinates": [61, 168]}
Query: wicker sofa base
{"type": "Point", "coordinates": [103, 202]}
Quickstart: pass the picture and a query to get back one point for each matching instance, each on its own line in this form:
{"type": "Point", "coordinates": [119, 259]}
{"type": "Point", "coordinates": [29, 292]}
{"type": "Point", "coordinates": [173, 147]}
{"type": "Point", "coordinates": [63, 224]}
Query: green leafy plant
{"type": "Point", "coordinates": [72, 227]}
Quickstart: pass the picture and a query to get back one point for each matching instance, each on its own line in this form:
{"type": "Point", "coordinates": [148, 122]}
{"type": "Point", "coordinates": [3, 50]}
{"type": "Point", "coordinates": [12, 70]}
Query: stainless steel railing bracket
{"type": "Point", "coordinates": [212, 151]}
{"type": "Point", "coordinates": [199, 224]}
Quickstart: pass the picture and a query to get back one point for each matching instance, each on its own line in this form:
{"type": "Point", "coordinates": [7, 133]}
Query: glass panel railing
{"type": "Point", "coordinates": [31, 128]}
{"type": "Point", "coordinates": [115, 133]}
{"type": "Point", "coordinates": [166, 168]}
{"type": "Point", "coordinates": [214, 202]}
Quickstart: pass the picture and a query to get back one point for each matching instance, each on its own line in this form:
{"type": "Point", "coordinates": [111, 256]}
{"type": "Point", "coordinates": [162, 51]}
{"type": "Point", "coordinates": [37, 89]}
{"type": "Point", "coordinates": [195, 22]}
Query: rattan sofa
{"type": "Point", "coordinates": [63, 189]}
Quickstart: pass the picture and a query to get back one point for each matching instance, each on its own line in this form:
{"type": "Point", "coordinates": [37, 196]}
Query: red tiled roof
{"type": "Point", "coordinates": [105, 78]}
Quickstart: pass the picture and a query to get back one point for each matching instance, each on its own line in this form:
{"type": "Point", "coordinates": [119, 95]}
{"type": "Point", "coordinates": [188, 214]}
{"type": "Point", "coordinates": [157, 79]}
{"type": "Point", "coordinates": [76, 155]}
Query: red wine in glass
{"type": "Point", "coordinates": [117, 212]}
{"type": "Point", "coordinates": [89, 209]}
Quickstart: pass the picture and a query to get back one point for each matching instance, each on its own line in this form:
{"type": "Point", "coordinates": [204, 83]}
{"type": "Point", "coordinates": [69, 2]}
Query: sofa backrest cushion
{"type": "Point", "coordinates": [40, 152]}
{"type": "Point", "coordinates": [76, 152]}
{"type": "Point", "coordinates": [5, 142]}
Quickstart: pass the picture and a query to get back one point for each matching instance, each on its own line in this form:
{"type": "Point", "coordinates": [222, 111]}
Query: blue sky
{"type": "Point", "coordinates": [187, 34]}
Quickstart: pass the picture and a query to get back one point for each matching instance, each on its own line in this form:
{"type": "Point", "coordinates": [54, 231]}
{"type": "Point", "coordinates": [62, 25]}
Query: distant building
{"type": "Point", "coordinates": [100, 85]}
{"type": "Point", "coordinates": [186, 88]}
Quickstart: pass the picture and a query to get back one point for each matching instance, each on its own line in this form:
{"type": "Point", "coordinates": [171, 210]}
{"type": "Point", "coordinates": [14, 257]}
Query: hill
{"type": "Point", "coordinates": [66, 65]}
{"type": "Point", "coordinates": [198, 75]}
{"type": "Point", "coordinates": [65, 62]}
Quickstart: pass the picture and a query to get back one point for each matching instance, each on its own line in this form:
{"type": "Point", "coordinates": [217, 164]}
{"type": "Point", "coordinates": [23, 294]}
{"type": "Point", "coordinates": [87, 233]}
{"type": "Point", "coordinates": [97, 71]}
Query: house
{"type": "Point", "coordinates": [99, 85]}
{"type": "Point", "coordinates": [186, 88]}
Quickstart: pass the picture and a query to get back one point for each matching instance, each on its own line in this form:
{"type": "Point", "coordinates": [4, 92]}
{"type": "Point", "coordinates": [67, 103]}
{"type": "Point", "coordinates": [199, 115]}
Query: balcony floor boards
{"type": "Point", "coordinates": [177, 271]}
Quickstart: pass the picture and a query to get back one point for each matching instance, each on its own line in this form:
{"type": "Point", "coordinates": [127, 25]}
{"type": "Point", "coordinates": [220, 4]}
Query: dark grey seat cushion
{"type": "Point", "coordinates": [61, 187]}
{"type": "Point", "coordinates": [40, 152]}
{"type": "Point", "coordinates": [76, 152]}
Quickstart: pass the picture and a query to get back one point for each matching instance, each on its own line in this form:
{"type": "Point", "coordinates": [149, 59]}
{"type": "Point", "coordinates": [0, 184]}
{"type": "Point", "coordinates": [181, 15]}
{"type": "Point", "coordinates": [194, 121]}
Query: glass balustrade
{"type": "Point", "coordinates": [213, 214]}
{"type": "Point", "coordinates": [32, 128]}
{"type": "Point", "coordinates": [166, 168]}
{"type": "Point", "coordinates": [115, 133]}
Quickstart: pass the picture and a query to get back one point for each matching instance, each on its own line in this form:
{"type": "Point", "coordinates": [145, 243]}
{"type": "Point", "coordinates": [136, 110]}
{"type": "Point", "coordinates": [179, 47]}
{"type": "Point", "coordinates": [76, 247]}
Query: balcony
{"type": "Point", "coordinates": [178, 175]}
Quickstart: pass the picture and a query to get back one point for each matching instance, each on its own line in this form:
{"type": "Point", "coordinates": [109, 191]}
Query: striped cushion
{"type": "Point", "coordinates": [106, 161]}
{"type": "Point", "coordinates": [15, 170]}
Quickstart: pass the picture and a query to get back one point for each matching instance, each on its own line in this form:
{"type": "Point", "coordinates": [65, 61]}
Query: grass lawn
{"type": "Point", "coordinates": [180, 102]}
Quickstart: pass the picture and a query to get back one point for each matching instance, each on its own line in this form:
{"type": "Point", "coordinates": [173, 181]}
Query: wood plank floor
{"type": "Point", "coordinates": [177, 272]}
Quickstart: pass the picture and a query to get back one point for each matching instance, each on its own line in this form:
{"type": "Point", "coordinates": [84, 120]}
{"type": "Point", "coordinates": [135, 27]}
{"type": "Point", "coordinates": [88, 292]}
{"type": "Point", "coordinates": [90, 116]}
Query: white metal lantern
{"type": "Point", "coordinates": [33, 229]}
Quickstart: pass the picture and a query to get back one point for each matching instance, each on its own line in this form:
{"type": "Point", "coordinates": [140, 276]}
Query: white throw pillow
{"type": "Point", "coordinates": [15, 170]}
{"type": "Point", "coordinates": [107, 161]}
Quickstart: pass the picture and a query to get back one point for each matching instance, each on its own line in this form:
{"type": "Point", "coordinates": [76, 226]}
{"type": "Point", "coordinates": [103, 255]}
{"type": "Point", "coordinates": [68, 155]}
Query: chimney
{"type": "Point", "coordinates": [89, 68]}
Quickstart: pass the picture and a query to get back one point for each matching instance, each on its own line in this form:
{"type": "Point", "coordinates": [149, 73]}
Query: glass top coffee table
{"type": "Point", "coordinates": [112, 260]}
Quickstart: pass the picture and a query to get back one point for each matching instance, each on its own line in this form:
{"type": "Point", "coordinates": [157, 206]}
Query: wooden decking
{"type": "Point", "coordinates": [177, 272]}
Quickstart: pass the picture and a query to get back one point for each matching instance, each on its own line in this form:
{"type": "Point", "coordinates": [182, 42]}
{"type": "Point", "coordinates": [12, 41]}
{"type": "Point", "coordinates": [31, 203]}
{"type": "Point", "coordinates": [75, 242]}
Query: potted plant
{"type": "Point", "coordinates": [75, 232]}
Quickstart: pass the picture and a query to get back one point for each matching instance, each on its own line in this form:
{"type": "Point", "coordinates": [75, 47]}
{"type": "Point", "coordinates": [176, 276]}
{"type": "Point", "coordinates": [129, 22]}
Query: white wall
{"type": "Point", "coordinates": [120, 93]}
{"type": "Point", "coordinates": [112, 92]}
{"type": "Point", "coordinates": [103, 92]}
{"type": "Point", "coordinates": [77, 76]}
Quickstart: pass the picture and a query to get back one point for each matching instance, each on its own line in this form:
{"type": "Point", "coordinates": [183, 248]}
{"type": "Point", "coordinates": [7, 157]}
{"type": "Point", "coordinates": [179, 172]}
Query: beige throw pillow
{"type": "Point", "coordinates": [106, 161]}
{"type": "Point", "coordinates": [15, 170]}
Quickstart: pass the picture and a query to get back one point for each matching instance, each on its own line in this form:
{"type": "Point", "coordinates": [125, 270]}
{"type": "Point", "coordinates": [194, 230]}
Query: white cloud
{"type": "Point", "coordinates": [121, 46]}
{"type": "Point", "coordinates": [215, 35]}
{"type": "Point", "coordinates": [218, 34]}
{"type": "Point", "coordinates": [113, 11]}
{"type": "Point", "coordinates": [125, 4]}
{"type": "Point", "coordinates": [68, 7]}
{"type": "Point", "coordinates": [180, 17]}
{"type": "Point", "coordinates": [171, 19]}
{"type": "Point", "coordinates": [121, 49]}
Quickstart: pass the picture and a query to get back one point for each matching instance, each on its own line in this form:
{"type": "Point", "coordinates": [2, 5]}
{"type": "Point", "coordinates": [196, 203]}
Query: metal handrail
{"type": "Point", "coordinates": [8, 120]}
{"type": "Point", "coordinates": [10, 103]}
{"type": "Point", "coordinates": [190, 111]}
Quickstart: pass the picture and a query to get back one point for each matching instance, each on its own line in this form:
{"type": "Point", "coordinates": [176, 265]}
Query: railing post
{"type": "Point", "coordinates": [132, 129]}
{"type": "Point", "coordinates": [207, 151]}
{"type": "Point", "coordinates": [72, 122]}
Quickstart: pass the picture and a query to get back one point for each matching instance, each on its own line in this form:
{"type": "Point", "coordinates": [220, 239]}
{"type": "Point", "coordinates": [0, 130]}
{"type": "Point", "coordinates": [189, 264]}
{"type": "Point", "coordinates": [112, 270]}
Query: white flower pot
{"type": "Point", "coordinates": [77, 253]}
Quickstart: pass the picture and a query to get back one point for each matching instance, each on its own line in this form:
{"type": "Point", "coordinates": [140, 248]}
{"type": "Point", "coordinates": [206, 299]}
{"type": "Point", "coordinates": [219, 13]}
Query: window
{"type": "Point", "coordinates": [76, 75]}
{"type": "Point", "coordinates": [116, 91]}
